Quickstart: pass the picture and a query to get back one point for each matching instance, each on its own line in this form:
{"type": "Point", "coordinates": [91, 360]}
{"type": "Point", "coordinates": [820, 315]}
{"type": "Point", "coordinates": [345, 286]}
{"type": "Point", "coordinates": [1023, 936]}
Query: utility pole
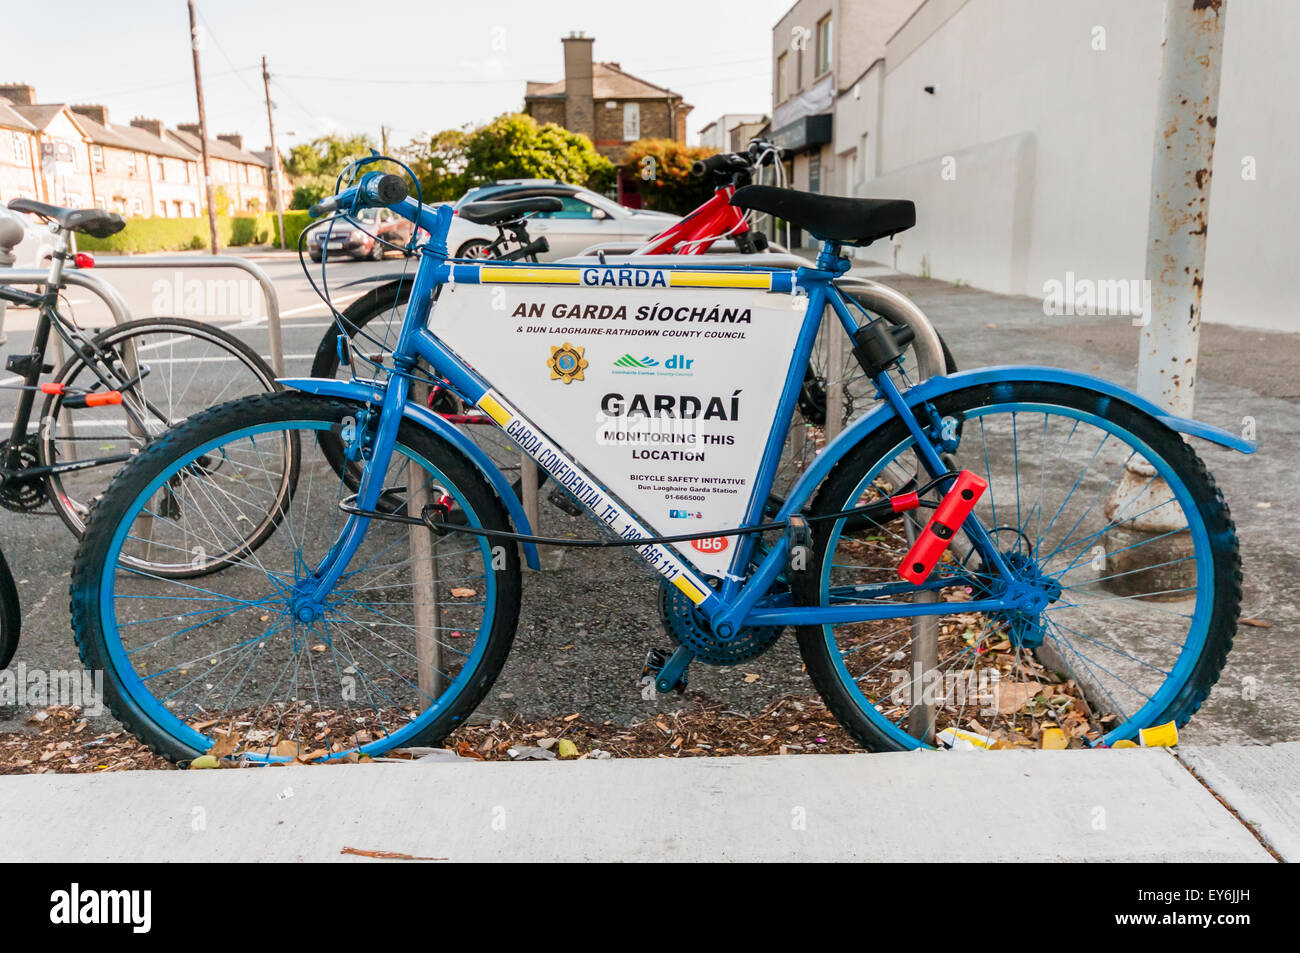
{"type": "Point", "coordinates": [1187, 112]}
{"type": "Point", "coordinates": [203, 133]}
{"type": "Point", "coordinates": [383, 140]}
{"type": "Point", "coordinates": [275, 153]}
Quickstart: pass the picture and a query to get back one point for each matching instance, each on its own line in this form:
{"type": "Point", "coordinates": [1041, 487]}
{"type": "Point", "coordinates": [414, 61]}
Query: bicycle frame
{"type": "Point", "coordinates": [695, 234]}
{"type": "Point", "coordinates": [736, 602]}
{"type": "Point", "coordinates": [46, 303]}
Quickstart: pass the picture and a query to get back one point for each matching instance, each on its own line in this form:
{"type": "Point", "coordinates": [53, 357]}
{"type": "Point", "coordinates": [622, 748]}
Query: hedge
{"type": "Point", "coordinates": [184, 234]}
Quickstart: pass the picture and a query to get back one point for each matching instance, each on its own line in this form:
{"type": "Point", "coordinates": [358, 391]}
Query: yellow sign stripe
{"type": "Point", "coordinates": [691, 590]}
{"type": "Point", "coordinates": [535, 276]}
{"type": "Point", "coordinates": [494, 409]}
{"type": "Point", "coordinates": [714, 279]}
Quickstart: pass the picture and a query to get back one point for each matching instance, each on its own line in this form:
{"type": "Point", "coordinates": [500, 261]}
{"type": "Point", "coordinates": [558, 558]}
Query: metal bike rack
{"type": "Point", "coordinates": [82, 279]}
{"type": "Point", "coordinates": [183, 262]}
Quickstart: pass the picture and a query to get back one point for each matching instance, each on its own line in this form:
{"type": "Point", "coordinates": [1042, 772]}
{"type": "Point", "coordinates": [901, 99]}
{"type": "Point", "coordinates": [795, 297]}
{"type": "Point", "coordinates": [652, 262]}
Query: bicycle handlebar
{"type": "Point", "coordinates": [374, 189]}
{"type": "Point", "coordinates": [725, 162]}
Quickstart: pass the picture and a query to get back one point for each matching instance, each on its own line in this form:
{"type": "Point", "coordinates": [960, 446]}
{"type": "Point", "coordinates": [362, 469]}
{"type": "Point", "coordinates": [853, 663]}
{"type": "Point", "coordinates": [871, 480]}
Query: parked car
{"type": "Point", "coordinates": [587, 218]}
{"type": "Point", "coordinates": [353, 236]}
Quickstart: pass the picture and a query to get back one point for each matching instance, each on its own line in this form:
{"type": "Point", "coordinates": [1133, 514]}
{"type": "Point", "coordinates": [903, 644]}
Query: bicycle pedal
{"type": "Point", "coordinates": [562, 501]}
{"type": "Point", "coordinates": [652, 673]}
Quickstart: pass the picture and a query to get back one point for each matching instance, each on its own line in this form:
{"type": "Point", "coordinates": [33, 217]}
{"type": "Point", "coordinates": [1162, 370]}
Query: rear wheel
{"type": "Point", "coordinates": [167, 369]}
{"type": "Point", "coordinates": [1100, 508]}
{"type": "Point", "coordinates": [372, 323]}
{"type": "Point", "coordinates": [475, 248]}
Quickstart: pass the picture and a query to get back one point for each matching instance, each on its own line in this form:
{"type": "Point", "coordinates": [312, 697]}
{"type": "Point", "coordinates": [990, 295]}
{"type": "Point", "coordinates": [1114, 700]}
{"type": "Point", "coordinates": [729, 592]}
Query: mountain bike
{"type": "Point", "coordinates": [118, 389]}
{"type": "Point", "coordinates": [1068, 545]}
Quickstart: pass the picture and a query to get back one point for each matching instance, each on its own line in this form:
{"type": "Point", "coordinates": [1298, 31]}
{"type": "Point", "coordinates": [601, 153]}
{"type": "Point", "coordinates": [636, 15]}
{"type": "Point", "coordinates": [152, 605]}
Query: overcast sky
{"type": "Point", "coordinates": [348, 66]}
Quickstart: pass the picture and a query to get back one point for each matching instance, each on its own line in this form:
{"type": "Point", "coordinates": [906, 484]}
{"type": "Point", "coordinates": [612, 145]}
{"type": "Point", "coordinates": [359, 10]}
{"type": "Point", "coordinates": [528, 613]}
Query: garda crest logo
{"type": "Point", "coordinates": [567, 363]}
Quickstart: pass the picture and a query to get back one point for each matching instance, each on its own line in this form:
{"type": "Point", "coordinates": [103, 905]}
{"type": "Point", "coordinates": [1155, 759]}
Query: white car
{"type": "Point", "coordinates": [588, 218]}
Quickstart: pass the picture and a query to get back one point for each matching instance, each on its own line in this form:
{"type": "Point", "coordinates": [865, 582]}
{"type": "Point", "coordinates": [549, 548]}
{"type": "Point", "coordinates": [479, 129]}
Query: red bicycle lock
{"type": "Point", "coordinates": [951, 512]}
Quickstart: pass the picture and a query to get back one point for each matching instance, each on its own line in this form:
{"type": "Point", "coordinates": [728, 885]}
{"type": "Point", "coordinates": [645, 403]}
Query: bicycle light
{"type": "Point", "coordinates": [947, 519]}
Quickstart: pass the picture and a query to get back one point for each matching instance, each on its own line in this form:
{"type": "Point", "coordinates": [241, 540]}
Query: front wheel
{"type": "Point", "coordinates": [251, 658]}
{"type": "Point", "coordinates": [1101, 512]}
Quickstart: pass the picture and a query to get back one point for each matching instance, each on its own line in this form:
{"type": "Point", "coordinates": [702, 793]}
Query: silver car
{"type": "Point", "coordinates": [588, 218]}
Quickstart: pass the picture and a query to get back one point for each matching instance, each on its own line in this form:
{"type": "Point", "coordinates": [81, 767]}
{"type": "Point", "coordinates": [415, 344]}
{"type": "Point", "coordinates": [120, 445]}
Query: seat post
{"type": "Point", "coordinates": [829, 256]}
{"type": "Point", "coordinates": [58, 257]}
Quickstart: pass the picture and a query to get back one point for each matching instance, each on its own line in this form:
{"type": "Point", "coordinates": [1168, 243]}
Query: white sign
{"type": "Point", "coordinates": [665, 396]}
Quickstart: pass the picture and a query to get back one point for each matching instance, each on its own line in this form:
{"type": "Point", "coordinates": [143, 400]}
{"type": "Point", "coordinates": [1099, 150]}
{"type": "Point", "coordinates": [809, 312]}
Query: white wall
{"type": "Point", "coordinates": [1254, 235]}
{"type": "Point", "coordinates": [1050, 147]}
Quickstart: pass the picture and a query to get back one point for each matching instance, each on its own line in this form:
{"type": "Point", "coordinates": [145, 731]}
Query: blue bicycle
{"type": "Point", "coordinates": [979, 555]}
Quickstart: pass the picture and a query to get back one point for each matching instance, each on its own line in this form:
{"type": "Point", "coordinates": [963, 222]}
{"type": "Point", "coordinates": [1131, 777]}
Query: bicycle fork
{"type": "Point", "coordinates": [377, 449]}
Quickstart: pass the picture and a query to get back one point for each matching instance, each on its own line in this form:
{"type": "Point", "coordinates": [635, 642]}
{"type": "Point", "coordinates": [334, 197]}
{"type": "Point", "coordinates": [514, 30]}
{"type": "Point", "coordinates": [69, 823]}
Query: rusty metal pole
{"type": "Point", "coordinates": [1186, 116]}
{"type": "Point", "coordinates": [1146, 549]}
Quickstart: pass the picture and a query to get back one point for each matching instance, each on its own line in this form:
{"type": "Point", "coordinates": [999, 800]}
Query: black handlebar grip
{"type": "Point", "coordinates": [391, 189]}
{"type": "Point", "coordinates": [702, 167]}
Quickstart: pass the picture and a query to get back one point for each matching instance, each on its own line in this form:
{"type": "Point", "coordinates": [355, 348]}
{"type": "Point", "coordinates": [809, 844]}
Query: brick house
{"type": "Point", "coordinates": [60, 151]}
{"type": "Point", "coordinates": [609, 106]}
{"type": "Point", "coordinates": [244, 177]}
{"type": "Point", "coordinates": [135, 170]}
{"type": "Point", "coordinates": [75, 156]}
{"type": "Point", "coordinates": [18, 155]}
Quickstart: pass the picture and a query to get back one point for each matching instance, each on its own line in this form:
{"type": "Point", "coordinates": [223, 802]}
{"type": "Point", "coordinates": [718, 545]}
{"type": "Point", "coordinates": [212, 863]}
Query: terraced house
{"type": "Point", "coordinates": [135, 170]}
{"type": "Point", "coordinates": [17, 155]}
{"type": "Point", "coordinates": [242, 176]}
{"type": "Point", "coordinates": [76, 156]}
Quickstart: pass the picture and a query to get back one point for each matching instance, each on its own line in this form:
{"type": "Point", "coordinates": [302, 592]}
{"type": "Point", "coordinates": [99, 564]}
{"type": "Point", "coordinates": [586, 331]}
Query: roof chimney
{"type": "Point", "coordinates": [20, 94]}
{"type": "Point", "coordinates": [152, 126]}
{"type": "Point", "coordinates": [191, 127]}
{"type": "Point", "coordinates": [95, 112]}
{"type": "Point", "coordinates": [579, 105]}
{"type": "Point", "coordinates": [234, 138]}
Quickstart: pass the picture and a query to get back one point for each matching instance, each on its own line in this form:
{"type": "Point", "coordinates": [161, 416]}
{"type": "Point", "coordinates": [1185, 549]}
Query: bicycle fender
{"type": "Point", "coordinates": [937, 386]}
{"type": "Point", "coordinates": [369, 393]}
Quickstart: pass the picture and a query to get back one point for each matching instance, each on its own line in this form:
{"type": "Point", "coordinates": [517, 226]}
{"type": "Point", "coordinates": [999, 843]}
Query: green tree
{"type": "Point", "coordinates": [439, 164]}
{"type": "Point", "coordinates": [326, 156]}
{"type": "Point", "coordinates": [310, 192]}
{"type": "Point", "coordinates": [661, 169]}
{"type": "Point", "coordinates": [516, 146]}
{"type": "Point", "coordinates": [313, 167]}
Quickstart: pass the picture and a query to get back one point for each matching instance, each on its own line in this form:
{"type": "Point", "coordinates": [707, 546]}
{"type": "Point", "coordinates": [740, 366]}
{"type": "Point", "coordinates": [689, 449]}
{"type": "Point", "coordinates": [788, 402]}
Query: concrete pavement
{"type": "Point", "coordinates": [1123, 805]}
